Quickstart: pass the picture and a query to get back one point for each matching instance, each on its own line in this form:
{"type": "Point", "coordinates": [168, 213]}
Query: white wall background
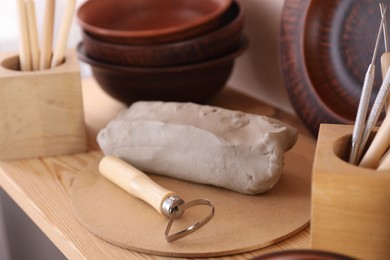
{"type": "Point", "coordinates": [256, 73]}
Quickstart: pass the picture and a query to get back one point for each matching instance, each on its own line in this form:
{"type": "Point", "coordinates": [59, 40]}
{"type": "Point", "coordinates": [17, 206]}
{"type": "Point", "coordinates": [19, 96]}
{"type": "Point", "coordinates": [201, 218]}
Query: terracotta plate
{"type": "Point", "coordinates": [325, 50]}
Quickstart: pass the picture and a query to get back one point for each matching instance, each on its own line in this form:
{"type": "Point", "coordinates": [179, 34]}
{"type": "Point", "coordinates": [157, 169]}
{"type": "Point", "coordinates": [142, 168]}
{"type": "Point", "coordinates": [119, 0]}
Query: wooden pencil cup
{"type": "Point", "coordinates": [41, 112]}
{"type": "Point", "coordinates": [350, 204]}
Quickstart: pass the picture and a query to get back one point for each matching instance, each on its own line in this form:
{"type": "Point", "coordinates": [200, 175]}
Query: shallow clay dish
{"type": "Point", "coordinates": [189, 83]}
{"type": "Point", "coordinates": [150, 21]}
{"type": "Point", "coordinates": [326, 47]}
{"type": "Point", "coordinates": [204, 47]}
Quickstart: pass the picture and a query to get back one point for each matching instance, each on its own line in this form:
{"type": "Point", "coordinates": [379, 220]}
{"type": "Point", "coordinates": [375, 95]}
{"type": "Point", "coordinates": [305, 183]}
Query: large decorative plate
{"type": "Point", "coordinates": [325, 50]}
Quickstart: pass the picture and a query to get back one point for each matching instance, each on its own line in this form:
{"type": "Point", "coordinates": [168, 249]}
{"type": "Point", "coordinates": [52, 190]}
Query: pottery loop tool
{"type": "Point", "coordinates": [364, 101]}
{"type": "Point", "coordinates": [166, 202]}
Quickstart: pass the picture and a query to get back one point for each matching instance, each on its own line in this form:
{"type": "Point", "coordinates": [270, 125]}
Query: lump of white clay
{"type": "Point", "coordinates": [203, 144]}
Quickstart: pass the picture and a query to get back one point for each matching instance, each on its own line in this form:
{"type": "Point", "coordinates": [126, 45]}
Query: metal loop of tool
{"type": "Point", "coordinates": [178, 211]}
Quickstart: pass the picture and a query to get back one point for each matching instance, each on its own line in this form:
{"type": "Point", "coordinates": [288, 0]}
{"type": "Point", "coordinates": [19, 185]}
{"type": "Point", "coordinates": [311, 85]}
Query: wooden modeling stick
{"type": "Point", "coordinates": [384, 165]}
{"type": "Point", "coordinates": [385, 58]}
{"type": "Point", "coordinates": [47, 36]}
{"type": "Point", "coordinates": [59, 50]}
{"type": "Point", "coordinates": [378, 146]}
{"type": "Point", "coordinates": [33, 34]}
{"type": "Point", "coordinates": [385, 64]}
{"type": "Point", "coordinates": [24, 49]}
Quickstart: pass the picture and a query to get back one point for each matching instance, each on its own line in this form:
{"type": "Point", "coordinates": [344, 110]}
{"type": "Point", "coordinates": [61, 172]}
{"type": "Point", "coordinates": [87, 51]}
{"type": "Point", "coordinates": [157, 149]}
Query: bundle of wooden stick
{"type": "Point", "coordinates": [33, 56]}
{"type": "Point", "coordinates": [375, 155]}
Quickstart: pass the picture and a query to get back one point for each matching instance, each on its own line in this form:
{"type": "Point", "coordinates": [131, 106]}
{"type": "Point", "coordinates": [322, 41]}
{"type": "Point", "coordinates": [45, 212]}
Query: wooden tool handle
{"type": "Point", "coordinates": [47, 34]}
{"type": "Point", "coordinates": [60, 47]}
{"type": "Point", "coordinates": [384, 164]}
{"type": "Point", "coordinates": [24, 46]}
{"type": "Point", "coordinates": [134, 181]}
{"type": "Point", "coordinates": [378, 146]}
{"type": "Point", "coordinates": [33, 34]}
{"type": "Point", "coordinates": [385, 65]}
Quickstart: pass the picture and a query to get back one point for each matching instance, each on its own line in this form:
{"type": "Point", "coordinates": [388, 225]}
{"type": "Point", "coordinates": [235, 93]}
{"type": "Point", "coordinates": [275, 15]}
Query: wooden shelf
{"type": "Point", "coordinates": [41, 186]}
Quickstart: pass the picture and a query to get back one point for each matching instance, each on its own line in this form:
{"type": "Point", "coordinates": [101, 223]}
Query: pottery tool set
{"type": "Point", "coordinates": [35, 57]}
{"type": "Point", "coordinates": [41, 103]}
{"type": "Point", "coordinates": [351, 201]}
{"type": "Point", "coordinates": [365, 122]}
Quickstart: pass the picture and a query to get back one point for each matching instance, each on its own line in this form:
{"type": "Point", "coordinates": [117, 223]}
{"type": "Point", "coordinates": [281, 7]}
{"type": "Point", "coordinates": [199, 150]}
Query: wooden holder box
{"type": "Point", "coordinates": [350, 204]}
{"type": "Point", "coordinates": [41, 112]}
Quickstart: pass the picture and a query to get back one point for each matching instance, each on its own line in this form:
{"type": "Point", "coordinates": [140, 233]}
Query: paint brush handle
{"type": "Point", "coordinates": [134, 182]}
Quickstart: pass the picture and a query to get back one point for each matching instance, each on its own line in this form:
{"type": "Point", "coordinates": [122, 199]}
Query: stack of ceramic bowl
{"type": "Point", "coordinates": [170, 50]}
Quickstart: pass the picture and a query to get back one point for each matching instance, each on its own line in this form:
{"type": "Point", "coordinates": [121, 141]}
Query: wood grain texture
{"type": "Point", "coordinates": [350, 204]}
{"type": "Point", "coordinates": [41, 112]}
{"type": "Point", "coordinates": [325, 50]}
{"type": "Point", "coordinates": [41, 186]}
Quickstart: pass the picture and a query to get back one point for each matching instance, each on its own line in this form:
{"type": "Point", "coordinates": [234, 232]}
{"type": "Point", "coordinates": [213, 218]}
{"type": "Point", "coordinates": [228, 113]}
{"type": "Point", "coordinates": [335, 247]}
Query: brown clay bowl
{"type": "Point", "coordinates": [189, 83]}
{"type": "Point", "coordinates": [150, 21]}
{"type": "Point", "coordinates": [205, 47]}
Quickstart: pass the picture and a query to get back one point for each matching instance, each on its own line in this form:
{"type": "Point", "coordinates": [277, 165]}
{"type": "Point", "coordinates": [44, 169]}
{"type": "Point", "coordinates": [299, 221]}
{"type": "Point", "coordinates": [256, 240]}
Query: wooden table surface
{"type": "Point", "coordinates": [41, 186]}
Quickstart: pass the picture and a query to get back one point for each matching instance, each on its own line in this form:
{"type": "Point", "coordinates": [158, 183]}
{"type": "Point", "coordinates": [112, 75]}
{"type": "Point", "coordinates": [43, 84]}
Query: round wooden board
{"type": "Point", "coordinates": [241, 223]}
